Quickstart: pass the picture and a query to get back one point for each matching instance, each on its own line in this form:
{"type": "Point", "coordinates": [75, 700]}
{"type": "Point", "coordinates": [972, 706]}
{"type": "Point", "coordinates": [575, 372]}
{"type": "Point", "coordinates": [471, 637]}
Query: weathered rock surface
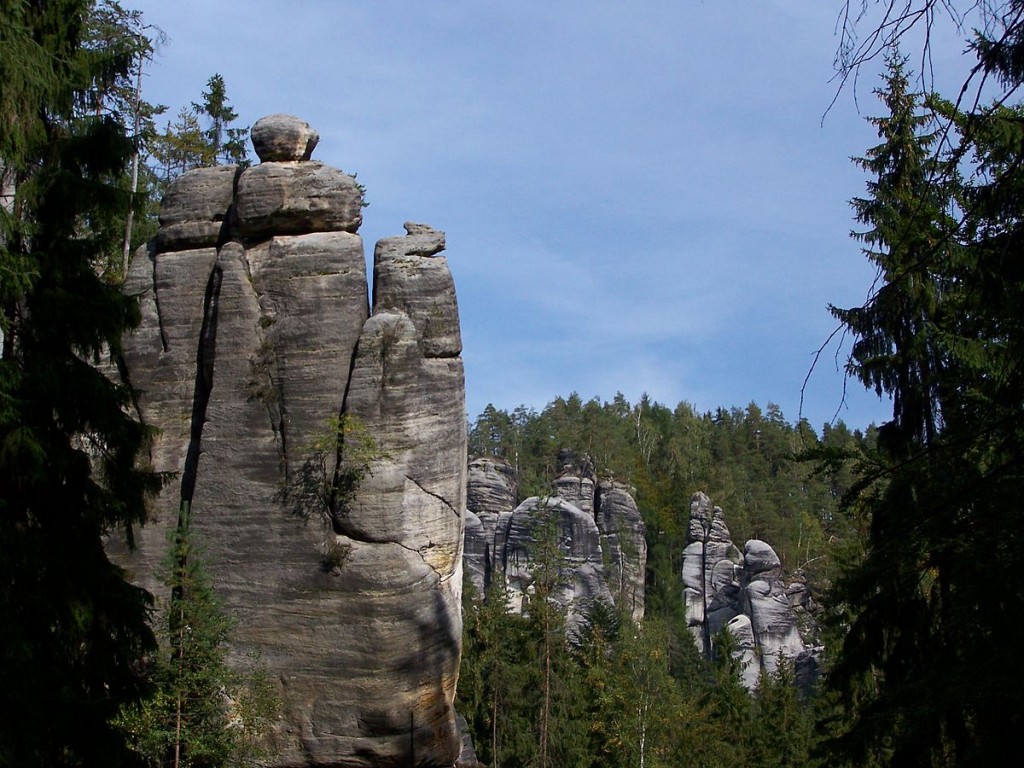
{"type": "Point", "coordinates": [289, 198]}
{"type": "Point", "coordinates": [476, 553]}
{"type": "Point", "coordinates": [195, 208]}
{"type": "Point", "coordinates": [283, 137]}
{"type": "Point", "coordinates": [520, 546]}
{"type": "Point", "coordinates": [745, 594]}
{"type": "Point", "coordinates": [261, 364]}
{"type": "Point", "coordinates": [711, 573]}
{"type": "Point", "coordinates": [408, 280]}
{"type": "Point", "coordinates": [490, 491]}
{"type": "Point", "coordinates": [467, 758]}
{"type": "Point", "coordinates": [742, 631]}
{"type": "Point", "coordinates": [313, 304]}
{"type": "Point", "coordinates": [600, 536]}
{"type": "Point", "coordinates": [624, 541]}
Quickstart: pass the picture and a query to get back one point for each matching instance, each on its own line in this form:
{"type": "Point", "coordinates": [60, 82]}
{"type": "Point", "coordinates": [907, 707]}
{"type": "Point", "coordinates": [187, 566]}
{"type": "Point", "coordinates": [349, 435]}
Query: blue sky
{"type": "Point", "coordinates": [638, 197]}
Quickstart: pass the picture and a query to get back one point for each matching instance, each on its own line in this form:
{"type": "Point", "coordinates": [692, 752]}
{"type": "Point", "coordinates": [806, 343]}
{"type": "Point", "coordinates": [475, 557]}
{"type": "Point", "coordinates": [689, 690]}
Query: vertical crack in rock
{"type": "Point", "coordinates": [264, 388]}
{"type": "Point", "coordinates": [228, 219]}
{"type": "Point", "coordinates": [159, 313]}
{"type": "Point", "coordinates": [205, 358]}
{"type": "Point", "coordinates": [336, 524]}
{"type": "Point", "coordinates": [263, 370]}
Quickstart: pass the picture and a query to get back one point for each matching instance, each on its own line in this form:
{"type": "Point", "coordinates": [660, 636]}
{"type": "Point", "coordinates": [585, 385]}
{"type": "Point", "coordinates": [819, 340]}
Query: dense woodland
{"type": "Point", "coordinates": [910, 532]}
{"type": "Point", "coordinates": [752, 462]}
{"type": "Point", "coordinates": [618, 694]}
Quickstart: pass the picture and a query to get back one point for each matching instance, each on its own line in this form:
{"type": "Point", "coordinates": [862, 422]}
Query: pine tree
{"type": "Point", "coordinates": [493, 683]}
{"type": "Point", "coordinates": [185, 144]}
{"type": "Point", "coordinates": [112, 27]}
{"type": "Point", "coordinates": [922, 664]}
{"type": "Point", "coordinates": [895, 352]}
{"type": "Point", "coordinates": [73, 631]}
{"type": "Point", "coordinates": [224, 143]}
{"type": "Point", "coordinates": [203, 713]}
{"type": "Point", "coordinates": [783, 733]}
{"type": "Point", "coordinates": [644, 706]}
{"type": "Point", "coordinates": [909, 220]}
{"type": "Point", "coordinates": [547, 622]}
{"type": "Point", "coordinates": [180, 148]}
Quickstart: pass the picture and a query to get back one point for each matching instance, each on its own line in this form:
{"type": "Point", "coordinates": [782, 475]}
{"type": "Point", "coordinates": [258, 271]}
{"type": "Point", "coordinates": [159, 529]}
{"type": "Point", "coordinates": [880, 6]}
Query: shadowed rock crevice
{"type": "Point", "coordinates": [206, 358]}
{"type": "Point", "coordinates": [156, 299]}
{"type": "Point", "coordinates": [339, 450]}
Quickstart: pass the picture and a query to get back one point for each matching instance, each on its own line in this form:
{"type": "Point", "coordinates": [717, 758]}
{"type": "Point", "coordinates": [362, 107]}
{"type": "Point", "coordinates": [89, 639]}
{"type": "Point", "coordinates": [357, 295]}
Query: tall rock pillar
{"type": "Point", "coordinates": [321, 446]}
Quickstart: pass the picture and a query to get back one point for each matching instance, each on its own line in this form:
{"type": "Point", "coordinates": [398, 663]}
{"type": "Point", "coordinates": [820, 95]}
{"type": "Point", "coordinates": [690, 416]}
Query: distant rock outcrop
{"type": "Point", "coordinates": [623, 537]}
{"type": "Point", "coordinates": [491, 490]}
{"type": "Point", "coordinates": [596, 524]}
{"type": "Point", "coordinates": [520, 541]}
{"type": "Point", "coordinates": [321, 445]}
{"type": "Point", "coordinates": [745, 594]}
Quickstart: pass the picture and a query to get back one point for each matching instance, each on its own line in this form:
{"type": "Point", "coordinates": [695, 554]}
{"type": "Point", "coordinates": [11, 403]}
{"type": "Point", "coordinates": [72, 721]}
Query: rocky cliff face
{"type": "Point", "coordinates": [491, 491]}
{"type": "Point", "coordinates": [744, 593]}
{"type": "Point", "coordinates": [321, 445]}
{"type": "Point", "coordinates": [596, 524]}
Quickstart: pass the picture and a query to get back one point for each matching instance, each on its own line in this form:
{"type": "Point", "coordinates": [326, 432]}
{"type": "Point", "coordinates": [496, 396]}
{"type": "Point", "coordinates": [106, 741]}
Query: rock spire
{"type": "Point", "coordinates": [320, 442]}
{"type": "Point", "coordinates": [599, 529]}
{"type": "Point", "coordinates": [744, 593]}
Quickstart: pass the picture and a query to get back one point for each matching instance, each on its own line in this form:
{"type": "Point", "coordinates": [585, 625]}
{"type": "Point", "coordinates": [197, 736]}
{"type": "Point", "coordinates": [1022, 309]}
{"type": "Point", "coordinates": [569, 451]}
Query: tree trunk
{"type": "Point", "coordinates": [129, 221]}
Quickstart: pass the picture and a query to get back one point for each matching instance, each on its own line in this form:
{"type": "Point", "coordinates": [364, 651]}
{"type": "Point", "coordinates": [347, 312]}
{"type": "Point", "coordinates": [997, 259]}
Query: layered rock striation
{"type": "Point", "coordinates": [320, 443]}
{"type": "Point", "coordinates": [490, 491]}
{"type": "Point", "coordinates": [595, 525]}
{"type": "Point", "coordinates": [745, 594]}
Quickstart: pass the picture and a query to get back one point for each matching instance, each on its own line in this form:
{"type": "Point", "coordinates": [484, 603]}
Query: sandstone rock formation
{"type": "Point", "coordinates": [283, 137]}
{"type": "Point", "coordinates": [598, 528]}
{"type": "Point", "coordinates": [623, 538]}
{"type": "Point", "coordinates": [520, 542]}
{"type": "Point", "coordinates": [745, 594]}
{"type": "Point", "coordinates": [490, 491]}
{"type": "Point", "coordinates": [321, 445]}
{"type": "Point", "coordinates": [467, 757]}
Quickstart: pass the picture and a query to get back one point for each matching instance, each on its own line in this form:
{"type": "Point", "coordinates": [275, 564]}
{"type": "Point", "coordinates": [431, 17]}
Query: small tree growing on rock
{"type": "Point", "coordinates": [202, 712]}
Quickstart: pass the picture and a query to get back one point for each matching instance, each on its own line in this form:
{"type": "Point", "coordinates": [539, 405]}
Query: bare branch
{"type": "Point", "coordinates": [898, 20]}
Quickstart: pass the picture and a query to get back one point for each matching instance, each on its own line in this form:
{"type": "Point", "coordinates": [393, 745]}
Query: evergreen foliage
{"type": "Point", "coordinates": [225, 144]}
{"type": "Point", "coordinates": [185, 144]}
{"type": "Point", "coordinates": [202, 713]}
{"type": "Point", "coordinates": [615, 699]}
{"type": "Point", "coordinates": [922, 668]}
{"type": "Point", "coordinates": [748, 460]}
{"type": "Point", "coordinates": [74, 631]}
{"type": "Point", "coordinates": [110, 27]}
{"type": "Point", "coordinates": [626, 694]}
{"type": "Point", "coordinates": [75, 638]}
{"type": "Point", "coordinates": [922, 635]}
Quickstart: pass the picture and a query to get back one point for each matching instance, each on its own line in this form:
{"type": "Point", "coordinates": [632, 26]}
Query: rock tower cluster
{"type": "Point", "coordinates": [320, 443]}
{"type": "Point", "coordinates": [600, 537]}
{"type": "Point", "coordinates": [744, 593]}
